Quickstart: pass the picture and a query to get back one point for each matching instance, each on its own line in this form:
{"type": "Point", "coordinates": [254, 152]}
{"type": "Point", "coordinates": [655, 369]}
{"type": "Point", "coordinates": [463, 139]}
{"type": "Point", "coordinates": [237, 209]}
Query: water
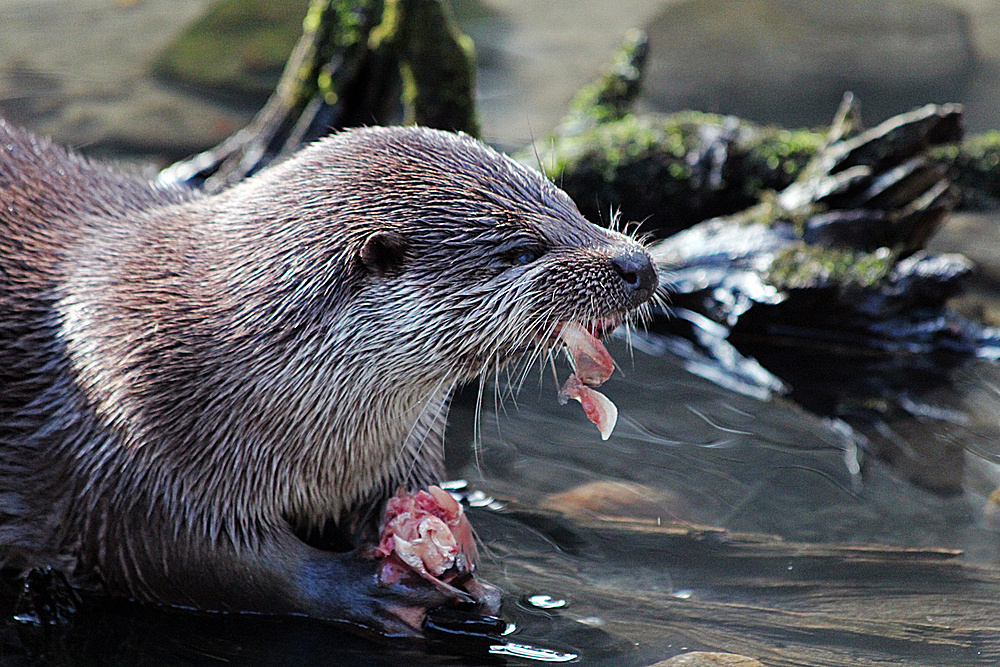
{"type": "Point", "coordinates": [795, 563]}
{"type": "Point", "coordinates": [730, 460]}
{"type": "Point", "coordinates": [710, 520]}
{"type": "Point", "coordinates": [701, 565]}
{"type": "Point", "coordinates": [715, 517]}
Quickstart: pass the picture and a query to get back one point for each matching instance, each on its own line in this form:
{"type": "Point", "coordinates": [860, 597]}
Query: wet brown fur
{"type": "Point", "coordinates": [190, 384]}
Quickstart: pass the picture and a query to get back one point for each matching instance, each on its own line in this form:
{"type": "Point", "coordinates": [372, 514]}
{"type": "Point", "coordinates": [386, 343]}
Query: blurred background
{"type": "Point", "coordinates": [171, 77]}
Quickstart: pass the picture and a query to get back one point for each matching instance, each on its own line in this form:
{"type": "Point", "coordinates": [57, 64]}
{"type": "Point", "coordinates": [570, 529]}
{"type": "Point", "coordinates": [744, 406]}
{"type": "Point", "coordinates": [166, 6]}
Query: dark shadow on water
{"type": "Point", "coordinates": [104, 632]}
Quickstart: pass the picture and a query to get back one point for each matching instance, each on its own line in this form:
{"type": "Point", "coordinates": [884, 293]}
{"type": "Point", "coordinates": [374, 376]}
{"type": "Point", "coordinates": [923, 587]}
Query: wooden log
{"type": "Point", "coordinates": [358, 62]}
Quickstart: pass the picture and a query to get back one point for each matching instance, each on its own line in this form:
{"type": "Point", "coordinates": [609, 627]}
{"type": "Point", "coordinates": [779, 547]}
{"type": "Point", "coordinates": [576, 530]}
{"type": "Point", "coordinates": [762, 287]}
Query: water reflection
{"type": "Point", "coordinates": [745, 464]}
{"type": "Point", "coordinates": [756, 502]}
{"type": "Point", "coordinates": [532, 653]}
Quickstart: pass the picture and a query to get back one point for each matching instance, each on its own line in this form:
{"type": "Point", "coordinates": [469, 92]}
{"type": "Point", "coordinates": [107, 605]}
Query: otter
{"type": "Point", "coordinates": [207, 401]}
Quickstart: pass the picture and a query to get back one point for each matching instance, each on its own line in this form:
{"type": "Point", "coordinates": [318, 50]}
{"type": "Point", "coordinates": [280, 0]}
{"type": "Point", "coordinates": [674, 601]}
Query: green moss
{"type": "Point", "coordinates": [657, 167]}
{"type": "Point", "coordinates": [338, 39]}
{"type": "Point", "coordinates": [614, 144]}
{"type": "Point", "coordinates": [976, 168]}
{"type": "Point", "coordinates": [679, 171]}
{"type": "Point", "coordinates": [436, 62]}
{"type": "Point", "coordinates": [802, 266]}
{"type": "Point", "coordinates": [786, 151]}
{"type": "Point", "coordinates": [388, 30]}
{"type": "Point", "coordinates": [675, 137]}
{"type": "Point", "coordinates": [612, 96]}
{"type": "Point", "coordinates": [441, 62]}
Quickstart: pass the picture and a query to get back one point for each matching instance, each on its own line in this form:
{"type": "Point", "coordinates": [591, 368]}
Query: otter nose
{"type": "Point", "coordinates": [636, 270]}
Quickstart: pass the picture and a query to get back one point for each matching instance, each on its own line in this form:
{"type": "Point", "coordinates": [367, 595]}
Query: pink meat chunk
{"type": "Point", "coordinates": [593, 366]}
{"type": "Point", "coordinates": [591, 360]}
{"type": "Point", "coordinates": [598, 407]}
{"type": "Point", "coordinates": [428, 533]}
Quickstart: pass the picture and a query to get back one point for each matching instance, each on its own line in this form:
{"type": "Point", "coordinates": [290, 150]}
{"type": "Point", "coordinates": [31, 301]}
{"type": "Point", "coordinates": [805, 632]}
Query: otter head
{"type": "Point", "coordinates": [464, 257]}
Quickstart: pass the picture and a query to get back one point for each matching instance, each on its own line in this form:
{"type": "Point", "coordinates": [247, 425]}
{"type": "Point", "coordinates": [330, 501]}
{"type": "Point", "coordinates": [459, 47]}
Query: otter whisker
{"type": "Point", "coordinates": [479, 406]}
{"type": "Point", "coordinates": [406, 452]}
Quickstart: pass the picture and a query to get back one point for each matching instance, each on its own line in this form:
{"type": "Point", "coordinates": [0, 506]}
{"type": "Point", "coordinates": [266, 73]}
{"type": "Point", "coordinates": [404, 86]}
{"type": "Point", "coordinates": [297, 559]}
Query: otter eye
{"type": "Point", "coordinates": [524, 256]}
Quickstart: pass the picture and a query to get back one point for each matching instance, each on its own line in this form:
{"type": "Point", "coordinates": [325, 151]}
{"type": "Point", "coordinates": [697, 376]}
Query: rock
{"type": "Point", "coordinates": [236, 50]}
{"type": "Point", "coordinates": [619, 499]}
{"type": "Point", "coordinates": [991, 510]}
{"type": "Point", "coordinates": [709, 659]}
{"type": "Point", "coordinates": [80, 73]}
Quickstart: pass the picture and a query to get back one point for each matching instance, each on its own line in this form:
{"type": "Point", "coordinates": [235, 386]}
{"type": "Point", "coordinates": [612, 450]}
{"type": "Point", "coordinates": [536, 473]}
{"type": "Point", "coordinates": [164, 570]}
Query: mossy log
{"type": "Point", "coordinates": [363, 62]}
{"type": "Point", "coordinates": [832, 272]}
{"type": "Point", "coordinates": [358, 62]}
{"type": "Point", "coordinates": [850, 231]}
{"type": "Point", "coordinates": [670, 171]}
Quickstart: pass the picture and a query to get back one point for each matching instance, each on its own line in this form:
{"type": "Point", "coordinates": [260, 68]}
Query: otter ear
{"type": "Point", "coordinates": [383, 252]}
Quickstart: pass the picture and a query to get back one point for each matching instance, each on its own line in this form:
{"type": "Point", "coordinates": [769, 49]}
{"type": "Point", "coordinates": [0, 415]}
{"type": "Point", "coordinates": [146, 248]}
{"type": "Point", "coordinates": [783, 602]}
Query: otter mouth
{"type": "Point", "coordinates": [602, 326]}
{"type": "Point", "coordinates": [592, 366]}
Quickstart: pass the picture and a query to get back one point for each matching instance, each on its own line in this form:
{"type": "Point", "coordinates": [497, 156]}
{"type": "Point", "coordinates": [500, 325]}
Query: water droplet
{"type": "Point", "coordinates": [683, 594]}
{"type": "Point", "coordinates": [532, 653]}
{"type": "Point", "coordinates": [593, 621]}
{"type": "Point", "coordinates": [454, 485]}
{"type": "Point", "coordinates": [546, 602]}
{"type": "Point", "coordinates": [509, 630]}
{"type": "Point", "coordinates": [479, 499]}
{"type": "Point", "coordinates": [32, 619]}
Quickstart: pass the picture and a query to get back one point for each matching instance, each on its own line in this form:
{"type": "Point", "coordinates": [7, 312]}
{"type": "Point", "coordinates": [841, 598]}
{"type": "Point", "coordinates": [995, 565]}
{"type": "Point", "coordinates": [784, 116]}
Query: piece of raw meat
{"type": "Point", "coordinates": [593, 366]}
{"type": "Point", "coordinates": [428, 533]}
